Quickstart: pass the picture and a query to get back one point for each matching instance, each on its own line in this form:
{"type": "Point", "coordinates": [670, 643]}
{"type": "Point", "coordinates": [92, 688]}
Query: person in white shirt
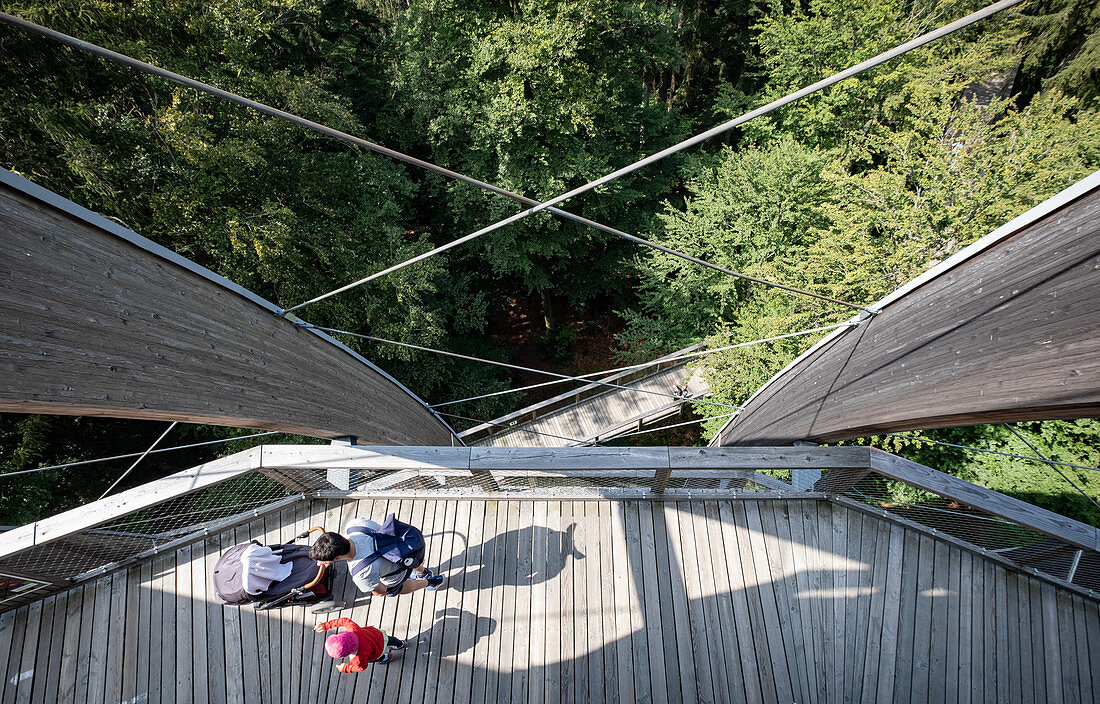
{"type": "Point", "coordinates": [369, 571]}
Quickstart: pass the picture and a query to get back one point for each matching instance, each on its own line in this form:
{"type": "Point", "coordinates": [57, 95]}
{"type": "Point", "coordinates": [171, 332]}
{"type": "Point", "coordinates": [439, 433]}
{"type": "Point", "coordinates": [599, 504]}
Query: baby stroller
{"type": "Point", "coordinates": [273, 576]}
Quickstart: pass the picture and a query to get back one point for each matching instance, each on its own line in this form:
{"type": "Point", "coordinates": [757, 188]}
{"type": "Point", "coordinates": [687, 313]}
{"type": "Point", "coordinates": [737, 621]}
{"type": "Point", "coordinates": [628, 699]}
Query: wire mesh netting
{"type": "Point", "coordinates": [1024, 546]}
{"type": "Point", "coordinates": [149, 528]}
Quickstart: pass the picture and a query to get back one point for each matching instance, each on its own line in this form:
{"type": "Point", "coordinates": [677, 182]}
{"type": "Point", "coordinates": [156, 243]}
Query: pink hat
{"type": "Point", "coordinates": [342, 645]}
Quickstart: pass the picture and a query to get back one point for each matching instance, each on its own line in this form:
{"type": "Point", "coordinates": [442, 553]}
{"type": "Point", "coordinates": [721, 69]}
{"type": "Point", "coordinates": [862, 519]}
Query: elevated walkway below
{"type": "Point", "coordinates": [595, 411]}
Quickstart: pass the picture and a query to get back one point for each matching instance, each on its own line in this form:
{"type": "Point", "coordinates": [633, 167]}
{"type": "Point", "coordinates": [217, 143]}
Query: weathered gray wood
{"type": "Point", "coordinates": [623, 591]}
{"type": "Point", "coordinates": [212, 624]}
{"type": "Point", "coordinates": [7, 636]}
{"type": "Point", "coordinates": [683, 458]}
{"type": "Point", "coordinates": [24, 679]}
{"type": "Point", "coordinates": [967, 654]}
{"type": "Point", "coordinates": [184, 663]}
{"type": "Point", "coordinates": [154, 628]}
{"type": "Point", "coordinates": [506, 652]}
{"type": "Point", "coordinates": [776, 591]}
{"type": "Point", "coordinates": [563, 589]}
{"type": "Point", "coordinates": [954, 617]}
{"type": "Point", "coordinates": [739, 542]}
{"type": "Point", "coordinates": [130, 637]}
{"type": "Point", "coordinates": [539, 605]}
{"type": "Point", "coordinates": [116, 642]}
{"type": "Point", "coordinates": [365, 457]}
{"type": "Point", "coordinates": [1009, 333]}
{"type": "Point", "coordinates": [100, 639]}
{"type": "Point", "coordinates": [785, 575]}
{"type": "Point", "coordinates": [1082, 617]}
{"type": "Point", "coordinates": [1002, 674]}
{"type": "Point", "coordinates": [1059, 623]}
{"type": "Point", "coordinates": [108, 323]}
{"type": "Point", "coordinates": [556, 459]}
{"type": "Point", "coordinates": [706, 629]}
{"type": "Point", "coordinates": [978, 621]}
{"type": "Point", "coordinates": [652, 597]}
{"type": "Point", "coordinates": [660, 582]}
{"type": "Point", "coordinates": [486, 628]}
{"type": "Point", "coordinates": [13, 662]}
{"type": "Point", "coordinates": [265, 530]}
{"type": "Point", "coordinates": [609, 564]}
{"type": "Point", "coordinates": [743, 680]}
{"type": "Point", "coordinates": [923, 620]}
{"type": "Point", "coordinates": [940, 602]}
{"type": "Point", "coordinates": [46, 645]}
{"type": "Point", "coordinates": [862, 634]}
{"type": "Point", "coordinates": [1040, 665]}
{"type": "Point", "coordinates": [1019, 669]}
{"type": "Point", "coordinates": [522, 618]}
{"type": "Point", "coordinates": [574, 578]}
{"type": "Point", "coordinates": [635, 570]}
{"type": "Point", "coordinates": [777, 639]}
{"type": "Point", "coordinates": [806, 595]}
{"type": "Point", "coordinates": [53, 672]}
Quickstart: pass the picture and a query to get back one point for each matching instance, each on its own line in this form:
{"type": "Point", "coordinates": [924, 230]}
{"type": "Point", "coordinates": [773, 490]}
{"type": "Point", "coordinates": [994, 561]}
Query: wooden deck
{"type": "Point", "coordinates": [617, 410]}
{"type": "Point", "coordinates": [586, 601]}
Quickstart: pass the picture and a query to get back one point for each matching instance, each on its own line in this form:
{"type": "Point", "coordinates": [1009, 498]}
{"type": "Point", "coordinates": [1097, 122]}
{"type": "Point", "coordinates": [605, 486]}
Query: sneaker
{"type": "Point", "coordinates": [434, 581]}
{"type": "Point", "coordinates": [427, 573]}
{"type": "Point", "coordinates": [400, 644]}
{"type": "Point", "coordinates": [382, 660]}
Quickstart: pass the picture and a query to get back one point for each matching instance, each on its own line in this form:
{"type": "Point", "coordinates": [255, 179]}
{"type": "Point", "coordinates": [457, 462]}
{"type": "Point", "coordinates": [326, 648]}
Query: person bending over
{"type": "Point", "coordinates": [370, 571]}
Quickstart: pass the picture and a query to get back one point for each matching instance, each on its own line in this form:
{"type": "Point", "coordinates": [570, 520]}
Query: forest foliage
{"type": "Point", "coordinates": [849, 193]}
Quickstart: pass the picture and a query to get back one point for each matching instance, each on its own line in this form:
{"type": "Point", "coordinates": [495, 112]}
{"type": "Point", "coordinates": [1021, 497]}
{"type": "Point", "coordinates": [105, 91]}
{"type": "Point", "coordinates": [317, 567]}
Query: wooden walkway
{"type": "Point", "coordinates": [585, 601]}
{"type": "Point", "coordinates": [616, 411]}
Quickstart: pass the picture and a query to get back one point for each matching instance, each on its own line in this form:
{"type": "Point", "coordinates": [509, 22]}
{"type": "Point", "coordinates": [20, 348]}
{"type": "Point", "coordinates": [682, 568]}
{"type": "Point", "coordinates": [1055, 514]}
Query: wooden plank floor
{"type": "Point", "coordinates": [584, 601]}
{"type": "Point", "coordinates": [600, 415]}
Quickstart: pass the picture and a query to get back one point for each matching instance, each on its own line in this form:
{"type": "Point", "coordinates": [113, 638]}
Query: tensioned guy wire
{"type": "Point", "coordinates": [724, 127]}
{"type": "Point", "coordinates": [662, 360]}
{"type": "Point", "coordinates": [994, 452]}
{"type": "Point", "coordinates": [135, 454]}
{"type": "Point", "coordinates": [1055, 468]}
{"type": "Point", "coordinates": [502, 364]}
{"type": "Point", "coordinates": [508, 427]}
{"type": "Point", "coordinates": [665, 427]}
{"type": "Point", "coordinates": [139, 459]}
{"type": "Point", "coordinates": [370, 146]}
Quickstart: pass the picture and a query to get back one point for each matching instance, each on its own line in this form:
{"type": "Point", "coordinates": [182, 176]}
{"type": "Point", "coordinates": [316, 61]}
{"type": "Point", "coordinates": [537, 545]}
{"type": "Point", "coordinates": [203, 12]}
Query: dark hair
{"type": "Point", "coordinates": [329, 547]}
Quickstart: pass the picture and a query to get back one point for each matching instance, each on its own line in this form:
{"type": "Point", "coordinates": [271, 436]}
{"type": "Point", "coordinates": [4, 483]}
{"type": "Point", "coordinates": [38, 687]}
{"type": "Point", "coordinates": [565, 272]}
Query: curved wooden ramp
{"type": "Point", "coordinates": [595, 411]}
{"type": "Point", "coordinates": [1006, 330]}
{"type": "Point", "coordinates": [723, 600]}
{"type": "Point", "coordinates": [104, 322]}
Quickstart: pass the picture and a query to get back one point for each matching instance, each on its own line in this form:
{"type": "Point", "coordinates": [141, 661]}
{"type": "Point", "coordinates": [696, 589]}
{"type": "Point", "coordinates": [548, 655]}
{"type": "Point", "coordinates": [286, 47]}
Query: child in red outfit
{"type": "Point", "coordinates": [369, 644]}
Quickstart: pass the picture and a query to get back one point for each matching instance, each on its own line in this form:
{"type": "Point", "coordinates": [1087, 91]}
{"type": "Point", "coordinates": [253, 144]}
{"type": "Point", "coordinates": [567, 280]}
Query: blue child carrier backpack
{"type": "Point", "coordinates": [396, 541]}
